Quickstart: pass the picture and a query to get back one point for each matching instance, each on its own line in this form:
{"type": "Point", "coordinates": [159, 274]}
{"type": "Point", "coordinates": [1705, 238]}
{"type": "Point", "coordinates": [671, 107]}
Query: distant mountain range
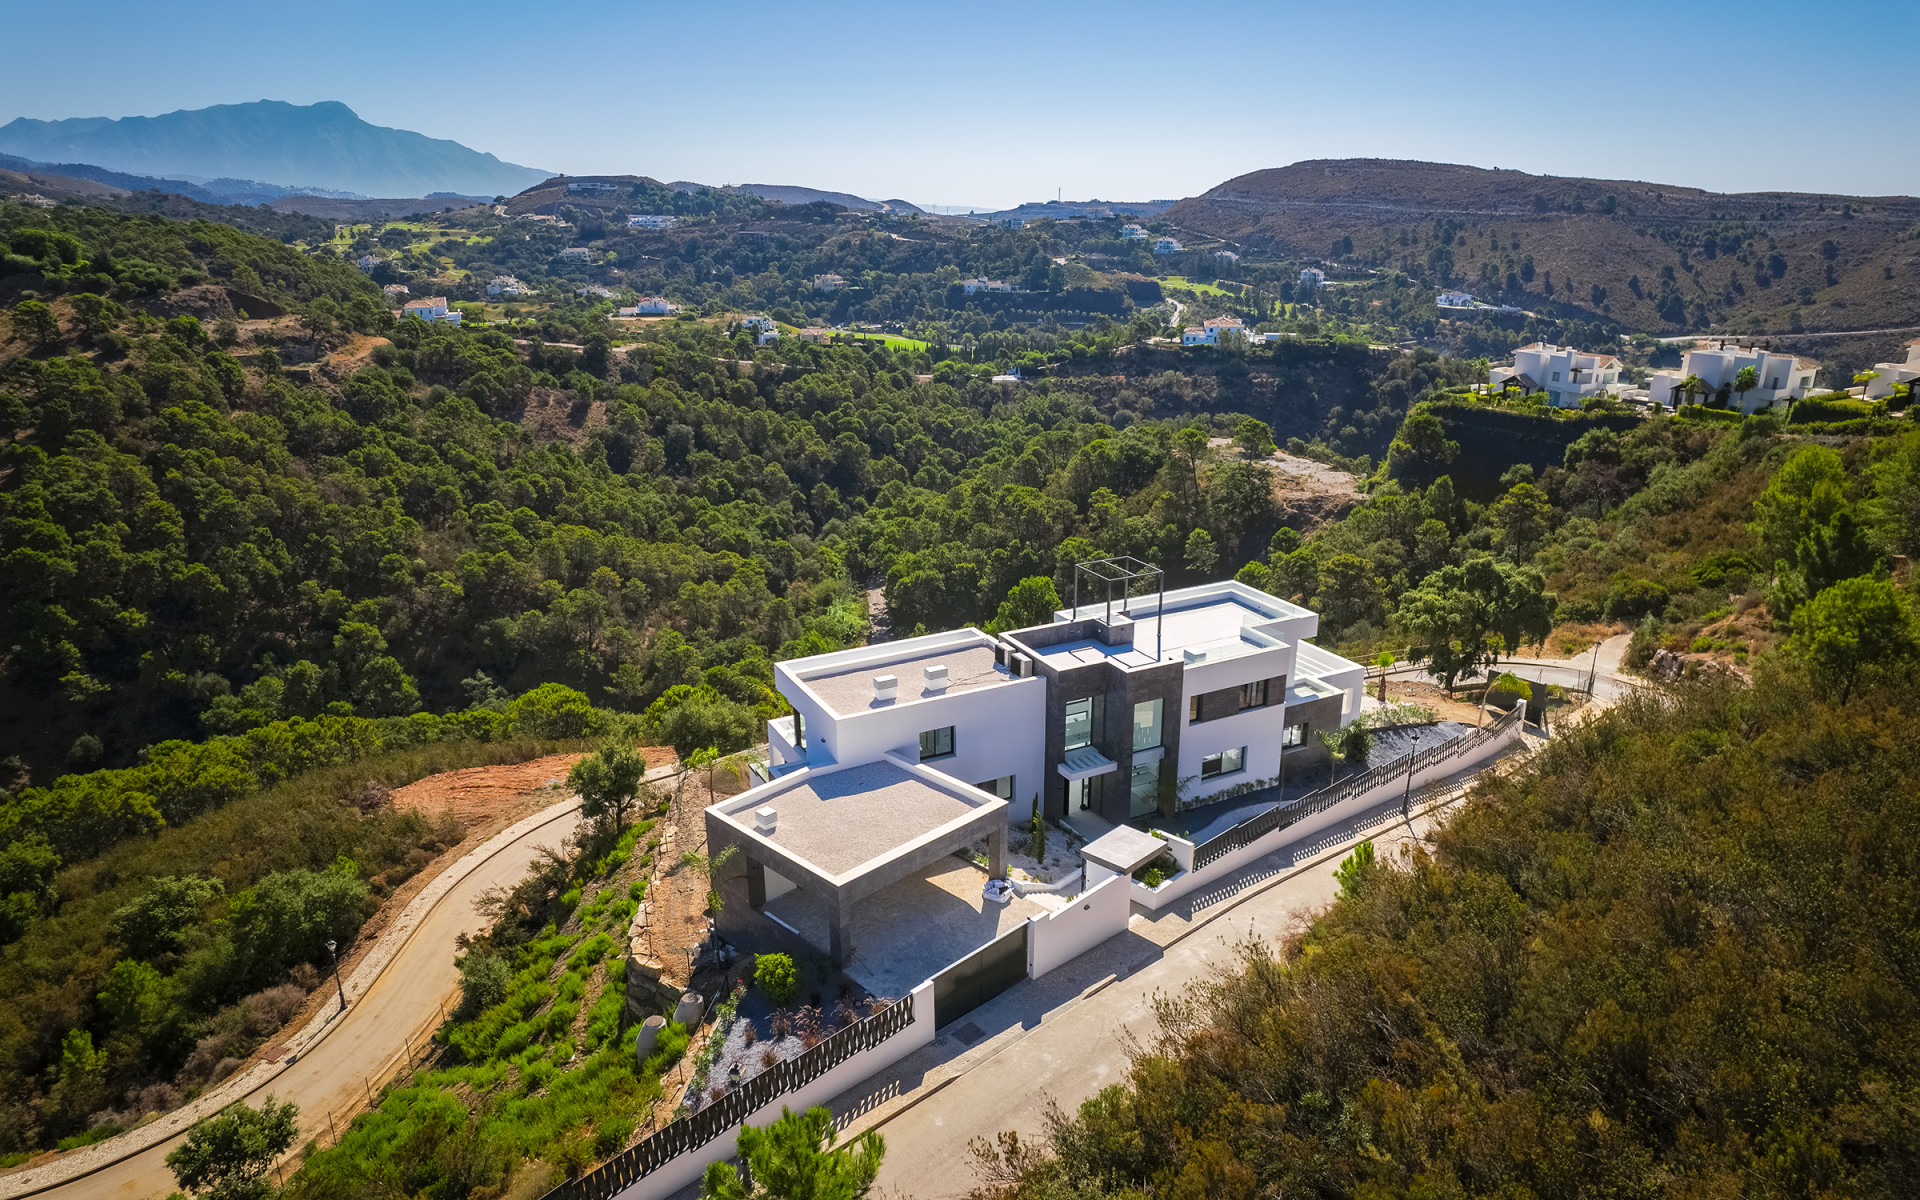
{"type": "Point", "coordinates": [324, 147]}
{"type": "Point", "coordinates": [1651, 256]}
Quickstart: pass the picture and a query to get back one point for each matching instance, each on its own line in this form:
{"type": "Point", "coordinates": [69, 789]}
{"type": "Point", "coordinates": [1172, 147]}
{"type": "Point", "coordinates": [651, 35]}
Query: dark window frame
{"type": "Point", "coordinates": [951, 743]}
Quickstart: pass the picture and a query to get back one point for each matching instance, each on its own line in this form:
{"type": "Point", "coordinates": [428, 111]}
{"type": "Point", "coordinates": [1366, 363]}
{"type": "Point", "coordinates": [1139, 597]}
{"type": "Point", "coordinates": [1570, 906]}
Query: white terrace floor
{"type": "Point", "coordinates": [907, 932]}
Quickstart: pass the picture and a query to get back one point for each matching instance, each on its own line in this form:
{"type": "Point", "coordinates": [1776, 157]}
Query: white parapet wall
{"type": "Point", "coordinates": [1060, 937]}
{"type": "Point", "coordinates": [1220, 868]}
{"type": "Point", "coordinates": [686, 1169]}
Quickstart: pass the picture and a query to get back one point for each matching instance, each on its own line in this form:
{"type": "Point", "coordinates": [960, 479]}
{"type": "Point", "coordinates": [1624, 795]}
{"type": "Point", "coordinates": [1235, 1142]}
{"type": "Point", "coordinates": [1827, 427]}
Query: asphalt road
{"type": "Point", "coordinates": [405, 996]}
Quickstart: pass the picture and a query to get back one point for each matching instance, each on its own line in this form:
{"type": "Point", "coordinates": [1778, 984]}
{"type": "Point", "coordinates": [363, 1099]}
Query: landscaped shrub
{"type": "Point", "coordinates": [776, 976]}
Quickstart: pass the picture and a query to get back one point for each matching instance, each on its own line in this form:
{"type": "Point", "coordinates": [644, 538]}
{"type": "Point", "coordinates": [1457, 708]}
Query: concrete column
{"type": "Point", "coordinates": [756, 885]}
{"type": "Point", "coordinates": [840, 942]}
{"type": "Point", "coordinates": [997, 852]}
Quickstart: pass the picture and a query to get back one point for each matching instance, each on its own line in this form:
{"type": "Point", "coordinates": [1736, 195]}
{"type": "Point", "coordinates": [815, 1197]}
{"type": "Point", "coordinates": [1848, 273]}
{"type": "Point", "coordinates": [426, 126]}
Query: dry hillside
{"type": "Point", "coordinates": [1759, 261]}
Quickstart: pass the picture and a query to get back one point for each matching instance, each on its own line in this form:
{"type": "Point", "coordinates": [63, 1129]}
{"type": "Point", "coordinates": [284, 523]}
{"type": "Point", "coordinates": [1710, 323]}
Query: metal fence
{"type": "Point", "coordinates": [691, 1133]}
{"type": "Point", "coordinates": [980, 976]}
{"type": "Point", "coordinates": [1254, 828]}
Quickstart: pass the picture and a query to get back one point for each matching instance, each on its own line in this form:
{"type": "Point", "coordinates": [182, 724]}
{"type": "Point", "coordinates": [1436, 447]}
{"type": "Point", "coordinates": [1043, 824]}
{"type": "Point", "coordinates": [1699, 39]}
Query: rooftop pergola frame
{"type": "Point", "coordinates": [1129, 577]}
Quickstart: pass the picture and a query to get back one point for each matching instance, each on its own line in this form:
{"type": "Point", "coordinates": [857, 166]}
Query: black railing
{"type": "Point", "coordinates": [1279, 817]}
{"type": "Point", "coordinates": [690, 1133]}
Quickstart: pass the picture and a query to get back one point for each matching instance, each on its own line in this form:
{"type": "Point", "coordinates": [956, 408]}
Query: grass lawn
{"type": "Point", "coordinates": [893, 342]}
{"type": "Point", "coordinates": [1205, 289]}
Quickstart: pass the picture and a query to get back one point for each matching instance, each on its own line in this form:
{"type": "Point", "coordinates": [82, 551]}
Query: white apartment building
{"type": "Point", "coordinates": [650, 306]}
{"type": "Point", "coordinates": [431, 308]}
{"type": "Point", "coordinates": [1780, 377]}
{"type": "Point", "coordinates": [1213, 332]}
{"type": "Point", "coordinates": [1566, 375]}
{"type": "Point", "coordinates": [1887, 374]}
{"type": "Point", "coordinates": [650, 221]}
{"type": "Point", "coordinates": [1145, 705]}
{"type": "Point", "coordinates": [1167, 245]}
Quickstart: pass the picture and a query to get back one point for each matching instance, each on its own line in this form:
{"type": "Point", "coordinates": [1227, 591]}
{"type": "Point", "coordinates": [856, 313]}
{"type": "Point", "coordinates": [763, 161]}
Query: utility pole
{"type": "Point", "coordinates": [1406, 801]}
{"type": "Point", "coordinates": [1593, 669]}
{"type": "Point", "coordinates": [335, 959]}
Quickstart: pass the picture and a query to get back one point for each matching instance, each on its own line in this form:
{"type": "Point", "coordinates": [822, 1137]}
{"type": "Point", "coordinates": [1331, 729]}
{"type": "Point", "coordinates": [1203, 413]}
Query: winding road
{"type": "Point", "coordinates": [402, 997]}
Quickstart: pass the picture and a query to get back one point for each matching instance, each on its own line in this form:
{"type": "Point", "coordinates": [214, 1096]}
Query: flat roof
{"type": "Point", "coordinates": [850, 690]}
{"type": "Point", "coordinates": [1219, 624]}
{"type": "Point", "coordinates": [843, 820]}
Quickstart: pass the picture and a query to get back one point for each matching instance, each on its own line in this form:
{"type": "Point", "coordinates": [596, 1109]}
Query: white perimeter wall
{"type": "Point", "coordinates": [687, 1168]}
{"type": "Point", "coordinates": [1060, 937]}
{"type": "Point", "coordinates": [1227, 864]}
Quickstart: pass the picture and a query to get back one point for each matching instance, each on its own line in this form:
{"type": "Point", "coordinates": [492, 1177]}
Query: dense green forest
{"type": "Point", "coordinates": [235, 590]}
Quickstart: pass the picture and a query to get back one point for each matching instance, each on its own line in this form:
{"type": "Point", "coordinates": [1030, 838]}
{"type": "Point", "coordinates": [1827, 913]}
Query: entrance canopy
{"type": "Point", "coordinates": [845, 833]}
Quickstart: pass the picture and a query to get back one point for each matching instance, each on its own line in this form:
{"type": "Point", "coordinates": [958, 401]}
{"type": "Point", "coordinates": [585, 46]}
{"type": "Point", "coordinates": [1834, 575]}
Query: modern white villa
{"type": "Point", "coordinates": [650, 221]}
{"type": "Point", "coordinates": [898, 754]}
{"type": "Point", "coordinates": [506, 285]}
{"type": "Point", "coordinates": [1566, 375]}
{"type": "Point", "coordinates": [1887, 374]}
{"type": "Point", "coordinates": [1779, 378]}
{"type": "Point", "coordinates": [1167, 245]}
{"type": "Point", "coordinates": [431, 308]}
{"type": "Point", "coordinates": [650, 306]}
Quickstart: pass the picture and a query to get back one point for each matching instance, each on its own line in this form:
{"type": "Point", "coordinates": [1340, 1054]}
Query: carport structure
{"type": "Point", "coordinates": [846, 833]}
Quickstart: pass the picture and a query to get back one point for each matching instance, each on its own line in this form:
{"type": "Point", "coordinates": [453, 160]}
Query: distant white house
{"type": "Point", "coordinates": [1454, 300]}
{"type": "Point", "coordinates": [1566, 375]}
{"type": "Point", "coordinates": [367, 262]}
{"type": "Point", "coordinates": [828, 283]}
{"type": "Point", "coordinates": [1778, 377]}
{"type": "Point", "coordinates": [589, 185]}
{"type": "Point", "coordinates": [576, 254]}
{"type": "Point", "coordinates": [651, 306]}
{"type": "Point", "coordinates": [763, 328]}
{"type": "Point", "coordinates": [1888, 374]}
{"type": "Point", "coordinates": [1226, 256]}
{"type": "Point", "coordinates": [1313, 275]}
{"type": "Point", "coordinates": [506, 285]}
{"type": "Point", "coordinates": [433, 308]}
{"type": "Point", "coordinates": [650, 221]}
{"type": "Point", "coordinates": [594, 289]}
{"type": "Point", "coordinates": [1166, 245]}
{"type": "Point", "coordinates": [1133, 233]}
{"type": "Point", "coordinates": [1213, 332]}
{"type": "Point", "coordinates": [970, 286]}
{"type": "Point", "coordinates": [1010, 222]}
{"type": "Point", "coordinates": [816, 334]}
{"type": "Point", "coordinates": [394, 291]}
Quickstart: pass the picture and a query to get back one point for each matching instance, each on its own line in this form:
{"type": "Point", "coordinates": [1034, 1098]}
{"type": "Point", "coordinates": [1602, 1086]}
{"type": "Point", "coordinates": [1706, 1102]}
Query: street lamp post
{"type": "Point", "coordinates": [335, 959]}
{"type": "Point", "coordinates": [1406, 801]}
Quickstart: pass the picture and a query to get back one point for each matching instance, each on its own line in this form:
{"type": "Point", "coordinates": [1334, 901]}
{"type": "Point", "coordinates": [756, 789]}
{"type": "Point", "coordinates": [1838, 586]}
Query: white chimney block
{"type": "Point", "coordinates": [937, 677]}
{"type": "Point", "coordinates": [764, 819]}
{"type": "Point", "coordinates": [1192, 656]}
{"type": "Point", "coordinates": [885, 687]}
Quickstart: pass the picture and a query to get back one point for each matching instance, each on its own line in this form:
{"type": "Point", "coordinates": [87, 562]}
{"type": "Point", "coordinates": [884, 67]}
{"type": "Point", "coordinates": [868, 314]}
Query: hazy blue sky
{"type": "Point", "coordinates": [994, 103]}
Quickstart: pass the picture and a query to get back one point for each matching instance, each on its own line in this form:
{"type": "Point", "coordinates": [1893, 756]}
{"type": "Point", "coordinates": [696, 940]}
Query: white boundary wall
{"type": "Point", "coordinates": [689, 1167]}
{"type": "Point", "coordinates": [1060, 937]}
{"type": "Point", "coordinates": [1227, 864]}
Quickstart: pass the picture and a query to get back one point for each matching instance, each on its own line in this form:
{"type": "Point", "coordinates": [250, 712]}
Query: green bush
{"type": "Point", "coordinates": [776, 976]}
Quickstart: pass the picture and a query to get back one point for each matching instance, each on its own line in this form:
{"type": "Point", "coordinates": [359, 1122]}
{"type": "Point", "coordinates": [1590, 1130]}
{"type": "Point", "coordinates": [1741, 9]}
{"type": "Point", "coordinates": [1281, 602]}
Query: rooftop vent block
{"type": "Point", "coordinates": [937, 677]}
{"type": "Point", "coordinates": [885, 687]}
{"type": "Point", "coordinates": [1193, 656]}
{"type": "Point", "coordinates": [764, 819]}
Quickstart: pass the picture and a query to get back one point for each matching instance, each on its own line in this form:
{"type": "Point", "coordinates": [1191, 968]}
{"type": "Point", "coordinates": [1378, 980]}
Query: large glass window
{"type": "Point", "coordinates": [1079, 723]}
{"type": "Point", "coordinates": [936, 743]}
{"type": "Point", "coordinates": [1001, 787]}
{"type": "Point", "coordinates": [1253, 695]}
{"type": "Point", "coordinates": [1295, 735]}
{"type": "Point", "coordinates": [1143, 790]}
{"type": "Point", "coordinates": [1224, 763]}
{"type": "Point", "coordinates": [1146, 724]}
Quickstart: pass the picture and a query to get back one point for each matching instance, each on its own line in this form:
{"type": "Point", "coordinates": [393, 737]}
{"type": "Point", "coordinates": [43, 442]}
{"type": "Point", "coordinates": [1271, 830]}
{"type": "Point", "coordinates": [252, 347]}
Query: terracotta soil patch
{"type": "Point", "coordinates": [479, 794]}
